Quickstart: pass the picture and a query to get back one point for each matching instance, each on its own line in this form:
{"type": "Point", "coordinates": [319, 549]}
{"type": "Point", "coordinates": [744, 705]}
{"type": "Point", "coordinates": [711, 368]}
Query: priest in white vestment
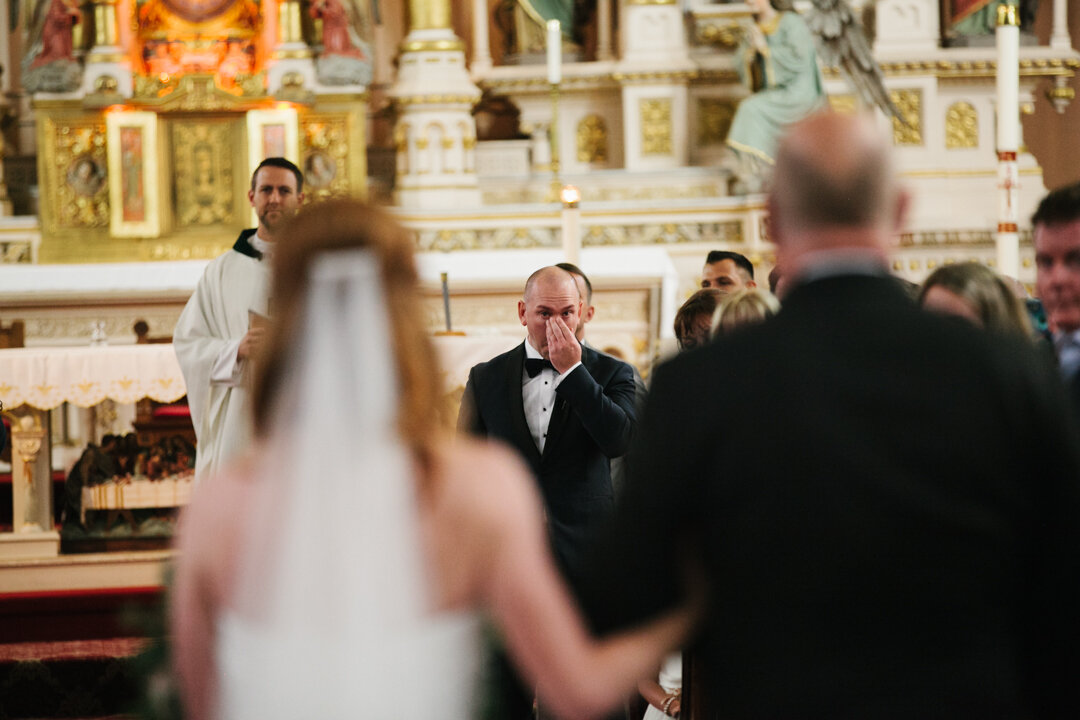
{"type": "Point", "coordinates": [221, 326]}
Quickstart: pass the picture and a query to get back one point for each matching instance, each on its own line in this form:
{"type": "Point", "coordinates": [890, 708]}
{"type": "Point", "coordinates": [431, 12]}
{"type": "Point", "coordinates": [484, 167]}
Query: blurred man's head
{"type": "Point", "coordinates": [727, 272]}
{"type": "Point", "coordinates": [585, 290]}
{"type": "Point", "coordinates": [1057, 257]}
{"type": "Point", "coordinates": [833, 190]}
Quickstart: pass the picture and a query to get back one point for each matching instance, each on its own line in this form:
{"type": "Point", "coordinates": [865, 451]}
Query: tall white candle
{"type": "Point", "coordinates": [554, 52]}
{"type": "Point", "coordinates": [1008, 140]}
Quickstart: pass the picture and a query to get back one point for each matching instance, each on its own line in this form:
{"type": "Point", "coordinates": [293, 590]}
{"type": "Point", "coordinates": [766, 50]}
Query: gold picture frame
{"type": "Point", "coordinates": [134, 191]}
{"type": "Point", "coordinates": [272, 133]}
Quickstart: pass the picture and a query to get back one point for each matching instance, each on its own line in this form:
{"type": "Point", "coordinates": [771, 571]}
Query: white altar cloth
{"type": "Point", "coordinates": [46, 377]}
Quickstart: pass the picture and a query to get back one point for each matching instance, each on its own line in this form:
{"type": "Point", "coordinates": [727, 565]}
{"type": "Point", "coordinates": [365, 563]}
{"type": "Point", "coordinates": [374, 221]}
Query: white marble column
{"type": "Point", "coordinates": [481, 59]}
{"type": "Point", "coordinates": [31, 488]}
{"type": "Point", "coordinates": [108, 70]}
{"type": "Point", "coordinates": [603, 30]}
{"type": "Point", "coordinates": [435, 97]}
{"type": "Point", "coordinates": [1059, 36]}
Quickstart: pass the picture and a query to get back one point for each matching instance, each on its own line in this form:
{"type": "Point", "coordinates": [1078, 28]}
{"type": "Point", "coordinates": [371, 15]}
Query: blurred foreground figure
{"type": "Point", "coordinates": [890, 523]}
{"type": "Point", "coordinates": [351, 583]}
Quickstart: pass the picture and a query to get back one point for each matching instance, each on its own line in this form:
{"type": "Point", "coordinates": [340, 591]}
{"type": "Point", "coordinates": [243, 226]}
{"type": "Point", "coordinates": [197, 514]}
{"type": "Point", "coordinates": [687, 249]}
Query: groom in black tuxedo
{"type": "Point", "coordinates": [890, 525]}
{"type": "Point", "coordinates": [566, 408]}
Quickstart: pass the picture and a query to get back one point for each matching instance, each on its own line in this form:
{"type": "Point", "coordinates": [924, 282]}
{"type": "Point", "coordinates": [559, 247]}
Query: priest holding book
{"type": "Point", "coordinates": [223, 323]}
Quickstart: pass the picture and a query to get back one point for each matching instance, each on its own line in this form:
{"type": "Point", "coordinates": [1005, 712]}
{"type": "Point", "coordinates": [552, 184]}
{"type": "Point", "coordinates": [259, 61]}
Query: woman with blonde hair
{"type": "Point", "coordinates": [339, 569]}
{"type": "Point", "coordinates": [977, 294]}
{"type": "Point", "coordinates": [745, 307]}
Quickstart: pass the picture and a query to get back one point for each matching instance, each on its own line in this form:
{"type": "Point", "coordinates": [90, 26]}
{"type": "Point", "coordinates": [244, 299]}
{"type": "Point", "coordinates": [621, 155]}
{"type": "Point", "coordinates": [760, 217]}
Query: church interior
{"type": "Point", "coordinates": [129, 130]}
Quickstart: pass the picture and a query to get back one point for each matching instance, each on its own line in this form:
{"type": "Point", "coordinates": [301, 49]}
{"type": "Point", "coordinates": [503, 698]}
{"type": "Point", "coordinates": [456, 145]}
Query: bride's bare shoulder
{"type": "Point", "coordinates": [488, 482]}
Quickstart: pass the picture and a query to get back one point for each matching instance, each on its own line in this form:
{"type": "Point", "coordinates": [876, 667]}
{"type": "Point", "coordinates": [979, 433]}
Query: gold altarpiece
{"type": "Point", "coordinates": [163, 174]}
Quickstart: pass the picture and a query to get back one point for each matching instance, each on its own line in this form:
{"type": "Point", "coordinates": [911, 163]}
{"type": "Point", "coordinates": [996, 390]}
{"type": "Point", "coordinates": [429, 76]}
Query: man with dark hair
{"type": "Point", "coordinates": [1057, 261]}
{"type": "Point", "coordinates": [222, 325]}
{"type": "Point", "coordinates": [727, 272]}
{"type": "Point", "coordinates": [886, 522]}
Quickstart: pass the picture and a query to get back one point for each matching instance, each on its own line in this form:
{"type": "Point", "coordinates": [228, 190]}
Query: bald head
{"type": "Point", "coordinates": [832, 172]}
{"type": "Point", "coordinates": [552, 277]}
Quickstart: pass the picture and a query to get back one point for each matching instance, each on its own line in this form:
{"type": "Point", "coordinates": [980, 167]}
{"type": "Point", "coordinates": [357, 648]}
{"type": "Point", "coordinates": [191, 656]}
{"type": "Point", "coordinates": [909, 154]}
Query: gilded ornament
{"type": "Point", "coordinates": [961, 126]}
{"type": "Point", "coordinates": [656, 129]}
{"type": "Point", "coordinates": [202, 154]}
{"type": "Point", "coordinates": [714, 119]}
{"type": "Point", "coordinates": [592, 140]}
{"type": "Point", "coordinates": [910, 104]}
{"type": "Point", "coordinates": [325, 152]}
{"type": "Point", "coordinates": [78, 167]}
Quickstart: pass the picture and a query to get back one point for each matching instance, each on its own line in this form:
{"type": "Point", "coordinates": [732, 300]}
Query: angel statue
{"type": "Point", "coordinates": [779, 61]}
{"type": "Point", "coordinates": [346, 56]}
{"type": "Point", "coordinates": [49, 64]}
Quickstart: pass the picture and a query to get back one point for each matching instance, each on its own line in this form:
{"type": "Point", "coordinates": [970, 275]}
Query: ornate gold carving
{"type": "Point", "coordinates": [77, 169]}
{"type": "Point", "coordinates": [198, 92]}
{"type": "Point", "coordinates": [656, 130]}
{"type": "Point", "coordinates": [202, 156]}
{"type": "Point", "coordinates": [721, 33]}
{"type": "Point", "coordinates": [433, 46]}
{"type": "Point", "coordinates": [421, 143]}
{"type": "Point", "coordinates": [175, 251]}
{"type": "Point", "coordinates": [910, 104]}
{"type": "Point", "coordinates": [667, 75]}
{"type": "Point", "coordinates": [592, 140]}
{"type": "Point", "coordinates": [961, 126]}
{"type": "Point", "coordinates": [325, 150]}
{"type": "Point", "coordinates": [843, 103]}
{"type": "Point", "coordinates": [437, 100]}
{"type": "Point", "coordinates": [714, 119]}
{"type": "Point", "coordinates": [969, 69]}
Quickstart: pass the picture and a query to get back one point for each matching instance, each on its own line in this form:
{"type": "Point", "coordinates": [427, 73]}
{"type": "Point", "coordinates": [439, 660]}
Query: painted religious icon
{"type": "Point", "coordinates": [131, 174]}
{"type": "Point", "coordinates": [274, 140]}
{"type": "Point", "coordinates": [86, 176]}
{"type": "Point", "coordinates": [319, 170]}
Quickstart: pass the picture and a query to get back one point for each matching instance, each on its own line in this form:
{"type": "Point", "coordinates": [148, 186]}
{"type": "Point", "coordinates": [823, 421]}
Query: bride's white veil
{"type": "Point", "coordinates": [331, 614]}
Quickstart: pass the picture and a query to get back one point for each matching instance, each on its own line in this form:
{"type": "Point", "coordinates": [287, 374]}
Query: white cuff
{"type": "Point", "coordinates": [228, 370]}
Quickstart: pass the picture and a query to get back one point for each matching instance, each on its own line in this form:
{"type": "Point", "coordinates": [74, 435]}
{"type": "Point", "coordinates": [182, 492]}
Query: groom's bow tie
{"type": "Point", "coordinates": [533, 366]}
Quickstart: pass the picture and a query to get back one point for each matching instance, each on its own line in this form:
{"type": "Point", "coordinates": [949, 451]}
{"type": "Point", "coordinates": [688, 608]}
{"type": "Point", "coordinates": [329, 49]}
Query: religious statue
{"type": "Point", "coordinates": [49, 65]}
{"type": "Point", "coordinates": [780, 61]}
{"type": "Point", "coordinates": [524, 23]}
{"type": "Point", "coordinates": [346, 56]}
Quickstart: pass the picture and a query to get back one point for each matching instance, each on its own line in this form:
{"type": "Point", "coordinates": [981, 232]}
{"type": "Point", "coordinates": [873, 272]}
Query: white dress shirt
{"type": "Point", "coordinates": [538, 396]}
{"type": "Point", "coordinates": [1067, 345]}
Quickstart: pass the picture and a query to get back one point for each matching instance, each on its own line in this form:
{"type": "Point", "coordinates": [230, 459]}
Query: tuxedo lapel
{"type": "Point", "coordinates": [520, 427]}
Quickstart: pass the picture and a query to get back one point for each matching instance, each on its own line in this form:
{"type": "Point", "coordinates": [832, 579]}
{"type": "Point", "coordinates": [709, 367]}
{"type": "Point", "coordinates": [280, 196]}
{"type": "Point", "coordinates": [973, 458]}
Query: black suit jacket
{"type": "Point", "coordinates": [887, 507]}
{"type": "Point", "coordinates": [593, 420]}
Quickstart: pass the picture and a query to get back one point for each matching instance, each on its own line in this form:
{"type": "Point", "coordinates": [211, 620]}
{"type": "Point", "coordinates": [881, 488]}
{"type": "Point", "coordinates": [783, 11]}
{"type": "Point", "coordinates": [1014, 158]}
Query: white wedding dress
{"type": "Point", "coordinates": [331, 616]}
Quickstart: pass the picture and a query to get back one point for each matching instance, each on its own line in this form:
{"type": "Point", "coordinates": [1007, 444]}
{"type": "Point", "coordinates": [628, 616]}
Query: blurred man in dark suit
{"type": "Point", "coordinates": [1057, 259]}
{"type": "Point", "coordinates": [889, 526]}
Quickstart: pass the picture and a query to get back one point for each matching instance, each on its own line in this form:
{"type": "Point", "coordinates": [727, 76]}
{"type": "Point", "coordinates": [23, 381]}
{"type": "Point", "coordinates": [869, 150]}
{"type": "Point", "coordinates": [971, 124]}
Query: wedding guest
{"type": "Point", "coordinates": [977, 294]}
